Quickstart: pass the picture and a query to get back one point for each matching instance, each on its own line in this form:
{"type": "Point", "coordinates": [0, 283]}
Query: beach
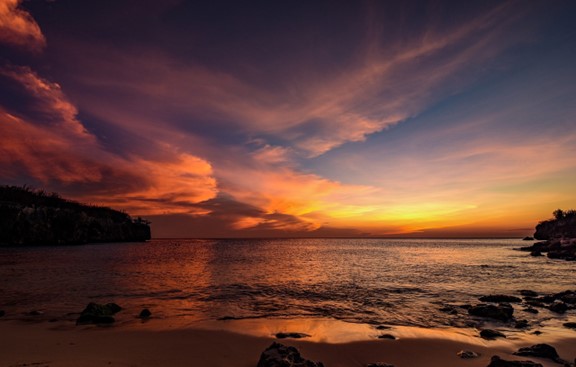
{"type": "Point", "coordinates": [62, 344]}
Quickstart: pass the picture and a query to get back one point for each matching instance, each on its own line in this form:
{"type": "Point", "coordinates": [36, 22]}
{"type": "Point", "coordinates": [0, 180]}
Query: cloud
{"type": "Point", "coordinates": [18, 28]}
{"type": "Point", "coordinates": [47, 143]}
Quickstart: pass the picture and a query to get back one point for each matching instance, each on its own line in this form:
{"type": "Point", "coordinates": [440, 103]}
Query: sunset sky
{"type": "Point", "coordinates": [295, 118]}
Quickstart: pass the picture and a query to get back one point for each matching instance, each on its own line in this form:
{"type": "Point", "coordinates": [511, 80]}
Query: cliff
{"type": "Point", "coordinates": [34, 217]}
{"type": "Point", "coordinates": [563, 225]}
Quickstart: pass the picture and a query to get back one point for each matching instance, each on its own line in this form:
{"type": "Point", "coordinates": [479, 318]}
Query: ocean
{"type": "Point", "coordinates": [362, 281]}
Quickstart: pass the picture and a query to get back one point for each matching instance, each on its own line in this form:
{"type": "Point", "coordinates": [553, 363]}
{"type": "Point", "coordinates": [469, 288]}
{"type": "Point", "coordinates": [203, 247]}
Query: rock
{"type": "Point", "coordinates": [502, 312]}
{"type": "Point", "coordinates": [521, 324]}
{"type": "Point", "coordinates": [490, 334]}
{"type": "Point", "coordinates": [566, 297]}
{"type": "Point", "coordinates": [558, 307]}
{"type": "Point", "coordinates": [383, 327]}
{"type": "Point", "coordinates": [537, 332]}
{"type": "Point", "coordinates": [499, 362]}
{"type": "Point", "coordinates": [528, 238]}
{"type": "Point", "coordinates": [98, 314]}
{"type": "Point", "coordinates": [530, 310]}
{"type": "Point", "coordinates": [379, 364]}
{"type": "Point", "coordinates": [36, 313]}
{"type": "Point", "coordinates": [536, 253]}
{"type": "Point", "coordinates": [2, 313]}
{"type": "Point", "coordinates": [279, 355]}
{"type": "Point", "coordinates": [500, 298]}
{"type": "Point", "coordinates": [387, 336]}
{"type": "Point", "coordinates": [539, 350]}
{"type": "Point", "coordinates": [528, 293]}
{"type": "Point", "coordinates": [291, 335]}
{"type": "Point", "coordinates": [145, 314]}
{"type": "Point", "coordinates": [570, 325]}
{"type": "Point", "coordinates": [467, 354]}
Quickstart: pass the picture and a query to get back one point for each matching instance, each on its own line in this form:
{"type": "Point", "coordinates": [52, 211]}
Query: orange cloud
{"type": "Point", "coordinates": [18, 28]}
{"type": "Point", "coordinates": [52, 146]}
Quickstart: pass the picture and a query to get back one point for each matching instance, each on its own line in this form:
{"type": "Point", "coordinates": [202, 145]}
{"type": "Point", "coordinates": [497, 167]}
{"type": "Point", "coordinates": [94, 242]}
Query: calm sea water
{"type": "Point", "coordinates": [402, 282]}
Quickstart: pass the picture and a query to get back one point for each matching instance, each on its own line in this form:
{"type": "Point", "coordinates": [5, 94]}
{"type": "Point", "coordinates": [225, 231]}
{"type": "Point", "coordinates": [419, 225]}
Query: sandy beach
{"type": "Point", "coordinates": [61, 344]}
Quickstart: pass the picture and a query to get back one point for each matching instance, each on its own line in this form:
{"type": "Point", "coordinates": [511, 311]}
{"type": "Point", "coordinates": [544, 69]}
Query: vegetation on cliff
{"type": "Point", "coordinates": [35, 217]}
{"type": "Point", "coordinates": [563, 225]}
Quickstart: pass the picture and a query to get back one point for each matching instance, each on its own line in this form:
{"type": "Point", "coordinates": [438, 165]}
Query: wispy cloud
{"type": "Point", "coordinates": [18, 28]}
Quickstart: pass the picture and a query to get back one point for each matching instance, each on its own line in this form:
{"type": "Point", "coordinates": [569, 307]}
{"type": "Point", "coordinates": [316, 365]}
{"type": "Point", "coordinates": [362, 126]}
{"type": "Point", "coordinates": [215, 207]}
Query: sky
{"type": "Point", "coordinates": [295, 118]}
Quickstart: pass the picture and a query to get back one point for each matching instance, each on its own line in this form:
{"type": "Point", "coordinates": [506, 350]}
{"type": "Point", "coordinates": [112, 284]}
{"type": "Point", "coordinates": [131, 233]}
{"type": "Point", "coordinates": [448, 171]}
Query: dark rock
{"type": "Point", "coordinates": [528, 238]}
{"type": "Point", "coordinates": [558, 307]}
{"type": "Point", "coordinates": [2, 313]}
{"type": "Point", "coordinates": [145, 314]}
{"type": "Point", "coordinates": [98, 314]}
{"type": "Point", "coordinates": [490, 334]}
{"type": "Point", "coordinates": [279, 355]}
{"type": "Point", "coordinates": [383, 327]}
{"type": "Point", "coordinates": [570, 325]}
{"type": "Point", "coordinates": [535, 303]}
{"type": "Point", "coordinates": [36, 313]}
{"type": "Point", "coordinates": [291, 335]}
{"type": "Point", "coordinates": [539, 350]}
{"type": "Point", "coordinates": [530, 310]}
{"type": "Point", "coordinates": [500, 298]}
{"type": "Point", "coordinates": [566, 297]}
{"type": "Point", "coordinates": [387, 336]}
{"type": "Point", "coordinates": [536, 253]}
{"type": "Point", "coordinates": [502, 312]}
{"type": "Point", "coordinates": [467, 354]}
{"type": "Point", "coordinates": [466, 307]}
{"type": "Point", "coordinates": [537, 332]}
{"type": "Point", "coordinates": [528, 293]}
{"type": "Point", "coordinates": [521, 324]}
{"type": "Point", "coordinates": [499, 362]}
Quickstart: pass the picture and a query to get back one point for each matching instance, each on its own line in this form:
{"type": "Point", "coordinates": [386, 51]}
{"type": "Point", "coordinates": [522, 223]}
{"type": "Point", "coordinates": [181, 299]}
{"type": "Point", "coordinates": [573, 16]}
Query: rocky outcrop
{"type": "Point", "coordinates": [499, 362]}
{"type": "Point", "coordinates": [563, 225]}
{"type": "Point", "coordinates": [541, 351]}
{"type": "Point", "coordinates": [559, 235]}
{"type": "Point", "coordinates": [29, 217]}
{"type": "Point", "coordinates": [279, 355]}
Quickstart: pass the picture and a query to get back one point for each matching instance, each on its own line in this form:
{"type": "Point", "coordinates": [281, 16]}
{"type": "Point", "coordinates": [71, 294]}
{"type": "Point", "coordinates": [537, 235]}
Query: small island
{"type": "Point", "coordinates": [35, 217]}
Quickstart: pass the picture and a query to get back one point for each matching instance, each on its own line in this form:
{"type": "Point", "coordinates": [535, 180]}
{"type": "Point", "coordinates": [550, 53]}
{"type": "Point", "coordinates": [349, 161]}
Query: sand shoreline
{"type": "Point", "coordinates": [64, 345]}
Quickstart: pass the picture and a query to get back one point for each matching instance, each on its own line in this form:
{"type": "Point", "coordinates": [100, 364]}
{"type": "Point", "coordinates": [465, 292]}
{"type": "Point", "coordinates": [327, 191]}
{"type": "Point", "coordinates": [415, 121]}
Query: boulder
{"type": "Point", "coordinates": [566, 297]}
{"type": "Point", "coordinates": [279, 355]}
{"type": "Point", "coordinates": [95, 313]}
{"type": "Point", "coordinates": [145, 314]}
{"type": "Point", "coordinates": [499, 362]}
{"type": "Point", "coordinates": [528, 293]}
{"type": "Point", "coordinates": [387, 336]}
{"type": "Point", "coordinates": [490, 334]}
{"type": "Point", "coordinates": [502, 312]}
{"type": "Point", "coordinates": [291, 335]}
{"type": "Point", "coordinates": [521, 324]}
{"type": "Point", "coordinates": [539, 350]}
{"type": "Point", "coordinates": [558, 307]}
{"type": "Point", "coordinates": [497, 298]}
{"type": "Point", "coordinates": [530, 310]}
{"type": "Point", "coordinates": [467, 354]}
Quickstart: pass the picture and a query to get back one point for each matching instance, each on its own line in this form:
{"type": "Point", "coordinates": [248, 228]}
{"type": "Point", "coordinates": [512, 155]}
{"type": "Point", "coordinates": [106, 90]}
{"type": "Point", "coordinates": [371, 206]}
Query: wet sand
{"type": "Point", "coordinates": [241, 343]}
